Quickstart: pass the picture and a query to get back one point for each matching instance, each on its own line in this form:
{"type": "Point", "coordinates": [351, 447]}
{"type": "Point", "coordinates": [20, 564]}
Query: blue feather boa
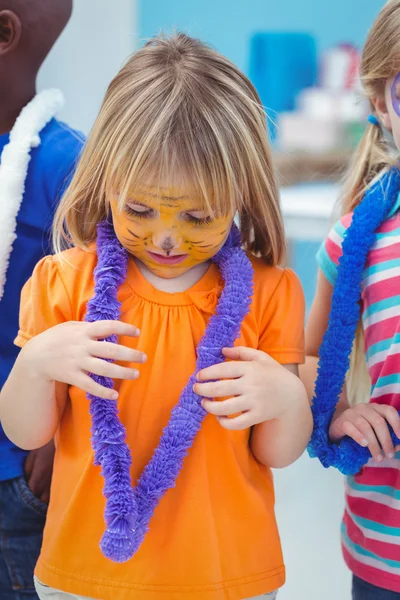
{"type": "Point", "coordinates": [334, 356]}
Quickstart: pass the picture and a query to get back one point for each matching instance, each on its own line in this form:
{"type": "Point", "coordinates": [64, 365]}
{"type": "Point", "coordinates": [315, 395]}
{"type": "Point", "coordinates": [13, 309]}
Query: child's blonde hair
{"type": "Point", "coordinates": [178, 111]}
{"type": "Point", "coordinates": [380, 61]}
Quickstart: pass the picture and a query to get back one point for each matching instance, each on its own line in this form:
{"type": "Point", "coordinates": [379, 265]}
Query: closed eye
{"type": "Point", "coordinates": [140, 211]}
{"type": "Point", "coordinates": [198, 218]}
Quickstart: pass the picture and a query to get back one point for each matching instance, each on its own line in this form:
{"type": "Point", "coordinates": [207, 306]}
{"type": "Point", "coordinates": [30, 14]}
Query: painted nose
{"type": "Point", "coordinates": [167, 243]}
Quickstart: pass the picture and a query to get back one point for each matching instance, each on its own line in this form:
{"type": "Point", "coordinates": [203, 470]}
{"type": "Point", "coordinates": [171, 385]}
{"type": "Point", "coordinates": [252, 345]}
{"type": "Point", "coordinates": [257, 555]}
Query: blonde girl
{"type": "Point", "coordinates": [179, 147]}
{"type": "Point", "coordinates": [363, 253]}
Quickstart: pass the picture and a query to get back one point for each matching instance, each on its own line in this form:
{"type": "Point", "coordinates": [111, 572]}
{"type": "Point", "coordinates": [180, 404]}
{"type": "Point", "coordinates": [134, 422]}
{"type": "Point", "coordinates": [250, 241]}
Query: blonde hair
{"type": "Point", "coordinates": [380, 61]}
{"type": "Point", "coordinates": [178, 111]}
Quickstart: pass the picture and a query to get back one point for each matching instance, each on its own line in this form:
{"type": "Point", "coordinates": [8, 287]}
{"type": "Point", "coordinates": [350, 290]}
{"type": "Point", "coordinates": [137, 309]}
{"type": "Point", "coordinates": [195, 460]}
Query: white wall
{"type": "Point", "coordinates": [99, 37]}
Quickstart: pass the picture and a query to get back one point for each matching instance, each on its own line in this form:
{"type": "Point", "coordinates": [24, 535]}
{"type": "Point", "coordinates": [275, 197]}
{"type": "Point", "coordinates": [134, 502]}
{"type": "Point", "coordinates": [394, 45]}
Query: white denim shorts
{"type": "Point", "coordinates": [47, 593]}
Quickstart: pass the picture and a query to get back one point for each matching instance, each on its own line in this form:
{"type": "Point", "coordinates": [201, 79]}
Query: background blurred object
{"type": "Point", "coordinates": [309, 211]}
{"type": "Point", "coordinates": [230, 24]}
{"type": "Point", "coordinates": [304, 167]}
{"type": "Point", "coordinates": [317, 138]}
{"type": "Point", "coordinates": [281, 66]}
{"type": "Point", "coordinates": [91, 50]}
{"type": "Point", "coordinates": [332, 115]}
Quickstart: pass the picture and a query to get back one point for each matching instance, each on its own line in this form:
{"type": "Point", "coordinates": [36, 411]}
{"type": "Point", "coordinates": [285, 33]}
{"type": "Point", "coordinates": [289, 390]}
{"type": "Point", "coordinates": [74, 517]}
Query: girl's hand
{"type": "Point", "coordinates": [257, 386]}
{"type": "Point", "coordinates": [70, 351]}
{"type": "Point", "coordinates": [367, 424]}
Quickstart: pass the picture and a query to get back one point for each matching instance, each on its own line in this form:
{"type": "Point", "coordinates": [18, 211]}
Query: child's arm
{"type": "Point", "coordinates": [30, 406]}
{"type": "Point", "coordinates": [365, 423]}
{"type": "Point", "coordinates": [317, 324]}
{"type": "Point", "coordinates": [279, 442]}
{"type": "Point", "coordinates": [268, 396]}
{"type": "Point", "coordinates": [31, 402]}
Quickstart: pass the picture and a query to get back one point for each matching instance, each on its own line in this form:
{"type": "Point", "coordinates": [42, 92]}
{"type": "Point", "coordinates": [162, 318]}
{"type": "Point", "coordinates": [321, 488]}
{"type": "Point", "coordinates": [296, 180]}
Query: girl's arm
{"type": "Point", "coordinates": [367, 424]}
{"type": "Point", "coordinates": [30, 405]}
{"type": "Point", "coordinates": [316, 326]}
{"type": "Point", "coordinates": [279, 442]}
{"type": "Point", "coordinates": [34, 396]}
{"type": "Point", "coordinates": [264, 394]}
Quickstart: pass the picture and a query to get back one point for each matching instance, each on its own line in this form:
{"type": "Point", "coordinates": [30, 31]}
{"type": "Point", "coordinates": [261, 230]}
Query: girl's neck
{"type": "Point", "coordinates": [177, 284]}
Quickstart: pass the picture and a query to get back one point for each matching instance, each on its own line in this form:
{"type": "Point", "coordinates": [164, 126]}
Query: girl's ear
{"type": "Point", "coordinates": [382, 112]}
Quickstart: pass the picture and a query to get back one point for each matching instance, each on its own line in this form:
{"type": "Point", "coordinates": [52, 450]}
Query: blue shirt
{"type": "Point", "coordinates": [50, 169]}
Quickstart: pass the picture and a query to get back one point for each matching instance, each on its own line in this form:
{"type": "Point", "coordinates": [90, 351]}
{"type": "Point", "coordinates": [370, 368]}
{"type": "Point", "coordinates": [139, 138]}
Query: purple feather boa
{"type": "Point", "coordinates": [129, 510]}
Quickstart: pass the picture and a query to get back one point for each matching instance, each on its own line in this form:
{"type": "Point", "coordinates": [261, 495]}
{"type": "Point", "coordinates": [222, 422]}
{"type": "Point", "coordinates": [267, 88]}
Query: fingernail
{"type": "Point", "coordinates": [144, 357]}
{"type": "Point", "coordinates": [379, 458]}
{"type": "Point", "coordinates": [114, 396]}
{"type": "Point", "coordinates": [135, 373]}
{"type": "Point", "coordinates": [364, 442]}
{"type": "Point", "coordinates": [390, 455]}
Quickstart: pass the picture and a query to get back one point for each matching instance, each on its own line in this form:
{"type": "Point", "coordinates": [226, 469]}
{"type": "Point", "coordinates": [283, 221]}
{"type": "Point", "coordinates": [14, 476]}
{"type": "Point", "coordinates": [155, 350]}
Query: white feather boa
{"type": "Point", "coordinates": [14, 167]}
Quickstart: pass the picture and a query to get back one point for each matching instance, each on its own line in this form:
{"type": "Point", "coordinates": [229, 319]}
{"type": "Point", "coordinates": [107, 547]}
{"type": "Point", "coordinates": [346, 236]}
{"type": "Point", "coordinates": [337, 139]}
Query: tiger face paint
{"type": "Point", "coordinates": [168, 231]}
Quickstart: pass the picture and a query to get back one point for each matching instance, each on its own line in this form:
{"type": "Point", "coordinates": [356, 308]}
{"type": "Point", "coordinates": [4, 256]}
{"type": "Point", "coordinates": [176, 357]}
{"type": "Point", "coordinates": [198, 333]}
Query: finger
{"type": "Point", "coordinates": [362, 425]}
{"type": "Point", "coordinates": [391, 415]}
{"type": "Point", "coordinates": [97, 366]}
{"type": "Point", "coordinates": [35, 485]}
{"type": "Point", "coordinates": [103, 329]}
{"type": "Point", "coordinates": [29, 462]}
{"type": "Point", "coordinates": [88, 385]}
{"type": "Point", "coordinates": [219, 389]}
{"type": "Point", "coordinates": [233, 406]}
{"type": "Point", "coordinates": [243, 421]}
{"type": "Point", "coordinates": [45, 497]}
{"type": "Point", "coordinates": [226, 370]}
{"type": "Point", "coordinates": [112, 351]}
{"type": "Point", "coordinates": [246, 354]}
{"type": "Point", "coordinates": [351, 431]}
{"type": "Point", "coordinates": [381, 429]}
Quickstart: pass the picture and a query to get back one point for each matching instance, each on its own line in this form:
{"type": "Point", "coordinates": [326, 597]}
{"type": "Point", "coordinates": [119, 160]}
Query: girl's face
{"type": "Point", "coordinates": [166, 229]}
{"type": "Point", "coordinates": [388, 108]}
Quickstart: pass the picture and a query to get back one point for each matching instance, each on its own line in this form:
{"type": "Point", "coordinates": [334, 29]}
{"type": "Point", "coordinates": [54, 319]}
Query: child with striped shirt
{"type": "Point", "coordinates": [371, 399]}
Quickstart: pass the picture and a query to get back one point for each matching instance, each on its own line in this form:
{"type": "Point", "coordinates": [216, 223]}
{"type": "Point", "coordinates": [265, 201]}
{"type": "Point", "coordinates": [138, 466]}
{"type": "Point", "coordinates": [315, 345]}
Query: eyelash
{"type": "Point", "coordinates": [197, 221]}
{"type": "Point", "coordinates": [147, 214]}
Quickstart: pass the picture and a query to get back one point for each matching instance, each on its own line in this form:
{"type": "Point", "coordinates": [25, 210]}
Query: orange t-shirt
{"type": "Point", "coordinates": [212, 537]}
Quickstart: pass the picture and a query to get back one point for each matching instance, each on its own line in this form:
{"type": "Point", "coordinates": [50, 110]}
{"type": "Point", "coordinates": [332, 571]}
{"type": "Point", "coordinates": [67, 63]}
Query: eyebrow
{"type": "Point", "coordinates": [167, 204]}
{"type": "Point", "coordinates": [165, 197]}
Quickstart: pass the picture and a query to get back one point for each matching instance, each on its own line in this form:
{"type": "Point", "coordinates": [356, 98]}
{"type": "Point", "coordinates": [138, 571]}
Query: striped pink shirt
{"type": "Point", "coordinates": [371, 524]}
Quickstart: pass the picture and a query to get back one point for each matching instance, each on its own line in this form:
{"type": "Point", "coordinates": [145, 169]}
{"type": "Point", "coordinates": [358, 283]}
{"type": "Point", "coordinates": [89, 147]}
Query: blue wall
{"type": "Point", "coordinates": [228, 24]}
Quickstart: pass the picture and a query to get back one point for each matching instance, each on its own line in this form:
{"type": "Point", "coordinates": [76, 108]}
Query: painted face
{"type": "Point", "coordinates": [391, 120]}
{"type": "Point", "coordinates": [168, 231]}
{"type": "Point", "coordinates": [395, 94]}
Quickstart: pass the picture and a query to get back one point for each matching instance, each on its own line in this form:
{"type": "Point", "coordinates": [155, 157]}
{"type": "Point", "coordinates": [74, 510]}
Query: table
{"type": "Point", "coordinates": [303, 167]}
{"type": "Point", "coordinates": [308, 210]}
